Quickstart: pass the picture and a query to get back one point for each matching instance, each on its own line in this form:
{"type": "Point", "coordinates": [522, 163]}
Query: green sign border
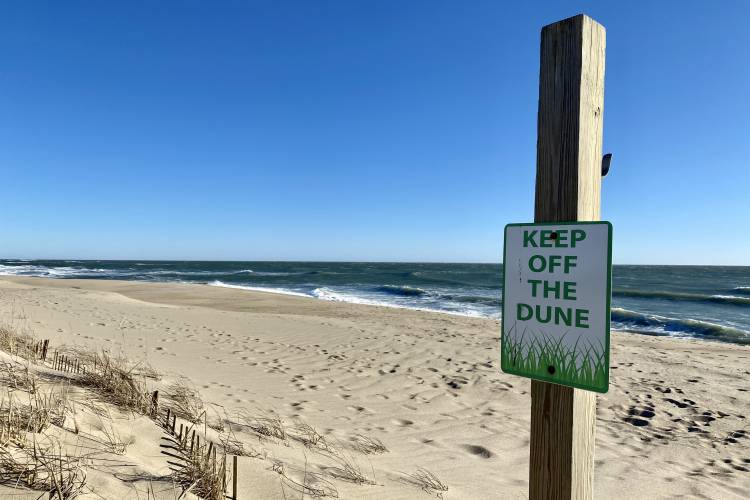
{"type": "Point", "coordinates": [551, 378]}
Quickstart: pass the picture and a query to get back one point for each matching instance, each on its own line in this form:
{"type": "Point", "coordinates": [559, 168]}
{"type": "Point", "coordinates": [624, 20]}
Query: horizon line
{"type": "Point", "coordinates": [334, 261]}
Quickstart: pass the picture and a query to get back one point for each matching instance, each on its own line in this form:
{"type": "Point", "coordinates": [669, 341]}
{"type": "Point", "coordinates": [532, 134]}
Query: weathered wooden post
{"type": "Point", "coordinates": [568, 188]}
{"type": "Point", "coordinates": [224, 475]}
{"type": "Point", "coordinates": [155, 404]}
{"type": "Point", "coordinates": [234, 477]}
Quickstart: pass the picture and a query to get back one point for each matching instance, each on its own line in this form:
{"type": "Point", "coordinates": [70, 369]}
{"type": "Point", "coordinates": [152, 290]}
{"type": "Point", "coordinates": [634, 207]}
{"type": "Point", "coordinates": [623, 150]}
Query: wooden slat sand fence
{"type": "Point", "coordinates": [184, 443]}
{"type": "Point", "coordinates": [199, 463]}
{"type": "Point", "coordinates": [27, 347]}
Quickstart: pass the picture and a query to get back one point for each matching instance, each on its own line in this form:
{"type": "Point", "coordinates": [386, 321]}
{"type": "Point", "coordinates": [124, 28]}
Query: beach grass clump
{"type": "Point", "coordinates": [217, 422]}
{"type": "Point", "coordinates": [42, 468]}
{"type": "Point", "coordinates": [307, 435]}
{"type": "Point", "coordinates": [349, 471]}
{"type": "Point", "coordinates": [551, 359]}
{"type": "Point", "coordinates": [346, 468]}
{"type": "Point", "coordinates": [427, 481]}
{"type": "Point", "coordinates": [18, 341]}
{"type": "Point", "coordinates": [18, 378]}
{"type": "Point", "coordinates": [187, 404]}
{"type": "Point", "coordinates": [268, 425]}
{"type": "Point", "coordinates": [233, 446]}
{"type": "Point", "coordinates": [111, 437]}
{"type": "Point", "coordinates": [18, 418]}
{"type": "Point", "coordinates": [311, 484]}
{"type": "Point", "coordinates": [367, 444]}
{"type": "Point", "coordinates": [117, 380]}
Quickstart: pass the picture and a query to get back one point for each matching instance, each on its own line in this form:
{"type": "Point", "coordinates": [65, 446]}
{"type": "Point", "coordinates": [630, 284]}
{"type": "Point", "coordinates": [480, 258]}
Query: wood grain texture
{"type": "Point", "coordinates": [568, 188]}
{"type": "Point", "coordinates": [569, 122]}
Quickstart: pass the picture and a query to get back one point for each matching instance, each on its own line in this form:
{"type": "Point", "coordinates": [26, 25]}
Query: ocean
{"type": "Point", "coordinates": [703, 302]}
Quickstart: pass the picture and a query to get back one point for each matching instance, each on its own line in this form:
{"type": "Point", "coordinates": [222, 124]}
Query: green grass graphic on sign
{"type": "Point", "coordinates": [545, 358]}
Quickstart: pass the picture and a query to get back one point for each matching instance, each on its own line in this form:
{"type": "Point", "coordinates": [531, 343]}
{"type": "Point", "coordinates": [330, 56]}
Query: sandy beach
{"type": "Point", "coordinates": [675, 423]}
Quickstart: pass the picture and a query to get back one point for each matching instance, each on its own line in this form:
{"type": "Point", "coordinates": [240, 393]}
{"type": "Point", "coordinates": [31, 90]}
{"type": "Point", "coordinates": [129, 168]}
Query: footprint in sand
{"type": "Point", "coordinates": [478, 451]}
{"type": "Point", "coordinates": [640, 417]}
{"type": "Point", "coordinates": [359, 409]}
{"type": "Point", "coordinates": [402, 422]}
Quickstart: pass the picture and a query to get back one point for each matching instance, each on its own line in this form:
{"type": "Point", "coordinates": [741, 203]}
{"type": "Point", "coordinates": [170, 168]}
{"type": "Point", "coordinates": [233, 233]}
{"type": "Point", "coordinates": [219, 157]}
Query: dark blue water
{"type": "Point", "coordinates": [705, 302]}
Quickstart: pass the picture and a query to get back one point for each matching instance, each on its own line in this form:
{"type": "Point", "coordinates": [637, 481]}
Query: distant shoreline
{"type": "Point", "coordinates": [707, 303]}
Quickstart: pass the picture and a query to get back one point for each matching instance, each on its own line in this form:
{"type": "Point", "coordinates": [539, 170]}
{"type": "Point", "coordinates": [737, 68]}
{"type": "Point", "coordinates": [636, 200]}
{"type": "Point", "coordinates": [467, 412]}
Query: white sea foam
{"type": "Point", "coordinates": [162, 272]}
{"type": "Point", "coordinates": [59, 271]}
{"type": "Point", "coordinates": [24, 270]}
{"type": "Point", "coordinates": [325, 293]}
{"type": "Point", "coordinates": [281, 291]}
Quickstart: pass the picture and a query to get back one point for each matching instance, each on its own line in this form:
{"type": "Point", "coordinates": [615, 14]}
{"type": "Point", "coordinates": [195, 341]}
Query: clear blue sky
{"type": "Point", "coordinates": [353, 130]}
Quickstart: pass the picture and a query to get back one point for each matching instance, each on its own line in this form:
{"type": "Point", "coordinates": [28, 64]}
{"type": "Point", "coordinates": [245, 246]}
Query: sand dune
{"type": "Point", "coordinates": [676, 422]}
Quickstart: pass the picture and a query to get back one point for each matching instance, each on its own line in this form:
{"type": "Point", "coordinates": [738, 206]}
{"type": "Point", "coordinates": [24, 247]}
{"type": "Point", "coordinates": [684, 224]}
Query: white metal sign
{"type": "Point", "coordinates": [556, 303]}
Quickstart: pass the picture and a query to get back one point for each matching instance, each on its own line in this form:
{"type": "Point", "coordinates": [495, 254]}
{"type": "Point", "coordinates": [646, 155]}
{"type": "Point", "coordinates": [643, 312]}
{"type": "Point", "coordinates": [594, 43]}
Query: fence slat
{"type": "Point", "coordinates": [234, 477]}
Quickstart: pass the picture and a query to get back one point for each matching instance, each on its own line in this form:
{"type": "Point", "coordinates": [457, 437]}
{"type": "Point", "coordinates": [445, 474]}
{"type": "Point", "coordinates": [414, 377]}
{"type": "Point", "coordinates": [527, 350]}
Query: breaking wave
{"type": "Point", "coordinates": [661, 325]}
{"type": "Point", "coordinates": [683, 296]}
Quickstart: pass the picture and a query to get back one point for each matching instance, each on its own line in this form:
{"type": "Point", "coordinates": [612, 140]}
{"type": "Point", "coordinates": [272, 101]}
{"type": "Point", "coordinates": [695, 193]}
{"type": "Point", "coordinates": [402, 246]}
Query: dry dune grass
{"type": "Point", "coordinates": [346, 468]}
{"type": "Point", "coordinates": [427, 481]}
{"type": "Point", "coordinates": [117, 381]}
{"type": "Point", "coordinates": [265, 424]}
{"type": "Point", "coordinates": [187, 404]}
{"type": "Point", "coordinates": [42, 468]}
{"type": "Point", "coordinates": [303, 482]}
{"type": "Point", "coordinates": [18, 377]}
{"type": "Point", "coordinates": [41, 410]}
{"type": "Point", "coordinates": [234, 446]}
{"type": "Point", "coordinates": [17, 340]}
{"type": "Point", "coordinates": [308, 436]}
{"type": "Point", "coordinates": [367, 444]}
{"type": "Point", "coordinates": [112, 439]}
